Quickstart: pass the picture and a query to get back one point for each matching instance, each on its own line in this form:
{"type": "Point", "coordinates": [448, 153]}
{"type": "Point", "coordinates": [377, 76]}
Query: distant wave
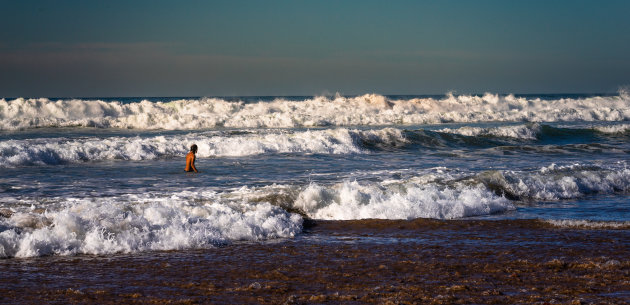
{"type": "Point", "coordinates": [52, 151]}
{"type": "Point", "coordinates": [614, 129]}
{"type": "Point", "coordinates": [529, 132]}
{"type": "Point", "coordinates": [527, 138]}
{"type": "Point", "coordinates": [524, 137]}
{"type": "Point", "coordinates": [369, 109]}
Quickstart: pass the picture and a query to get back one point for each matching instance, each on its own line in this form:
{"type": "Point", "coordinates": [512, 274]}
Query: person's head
{"type": "Point", "coordinates": [193, 148]}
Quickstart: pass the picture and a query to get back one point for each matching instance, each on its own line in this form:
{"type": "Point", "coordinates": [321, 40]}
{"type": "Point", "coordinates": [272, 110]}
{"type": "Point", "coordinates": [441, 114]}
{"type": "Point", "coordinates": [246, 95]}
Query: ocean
{"type": "Point", "coordinates": [103, 178]}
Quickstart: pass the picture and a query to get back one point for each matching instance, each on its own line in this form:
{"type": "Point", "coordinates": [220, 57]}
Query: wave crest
{"type": "Point", "coordinates": [527, 132]}
{"type": "Point", "coordinates": [369, 109]}
{"type": "Point", "coordinates": [557, 182]}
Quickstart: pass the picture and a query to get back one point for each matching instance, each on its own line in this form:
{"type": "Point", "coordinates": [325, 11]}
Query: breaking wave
{"type": "Point", "coordinates": [614, 129]}
{"type": "Point", "coordinates": [527, 132]}
{"type": "Point", "coordinates": [198, 218]}
{"type": "Point", "coordinates": [403, 200]}
{"type": "Point", "coordinates": [369, 109]}
{"type": "Point", "coordinates": [446, 195]}
{"type": "Point", "coordinates": [212, 144]}
{"type": "Point", "coordinates": [141, 223]}
{"type": "Point", "coordinates": [236, 143]}
{"type": "Point", "coordinates": [558, 182]}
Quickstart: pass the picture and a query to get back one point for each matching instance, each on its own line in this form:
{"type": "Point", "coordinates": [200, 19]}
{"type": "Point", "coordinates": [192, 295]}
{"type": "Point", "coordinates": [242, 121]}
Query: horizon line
{"type": "Point", "coordinates": [311, 95]}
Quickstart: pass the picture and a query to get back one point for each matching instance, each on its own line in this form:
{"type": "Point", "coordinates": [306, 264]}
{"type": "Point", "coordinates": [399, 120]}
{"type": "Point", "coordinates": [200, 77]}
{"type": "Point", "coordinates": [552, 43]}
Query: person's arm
{"type": "Point", "coordinates": [192, 164]}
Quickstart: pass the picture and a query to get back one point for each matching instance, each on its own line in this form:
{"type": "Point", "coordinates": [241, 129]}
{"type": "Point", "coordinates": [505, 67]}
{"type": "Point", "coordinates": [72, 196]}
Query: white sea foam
{"type": "Point", "coordinates": [212, 144]}
{"type": "Point", "coordinates": [369, 109]}
{"type": "Point", "coordinates": [198, 218]}
{"type": "Point", "coordinates": [561, 182]}
{"type": "Point", "coordinates": [588, 224]}
{"type": "Point", "coordinates": [141, 223]}
{"type": "Point", "coordinates": [447, 194]}
{"type": "Point", "coordinates": [527, 132]}
{"type": "Point", "coordinates": [621, 128]}
{"type": "Point", "coordinates": [403, 200]}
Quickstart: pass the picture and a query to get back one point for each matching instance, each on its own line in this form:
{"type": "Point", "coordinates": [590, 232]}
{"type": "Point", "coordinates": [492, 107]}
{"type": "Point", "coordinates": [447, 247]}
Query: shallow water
{"type": "Point", "coordinates": [350, 262]}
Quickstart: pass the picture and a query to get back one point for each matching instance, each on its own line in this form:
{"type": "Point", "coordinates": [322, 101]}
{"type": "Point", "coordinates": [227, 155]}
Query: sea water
{"type": "Point", "coordinates": [104, 176]}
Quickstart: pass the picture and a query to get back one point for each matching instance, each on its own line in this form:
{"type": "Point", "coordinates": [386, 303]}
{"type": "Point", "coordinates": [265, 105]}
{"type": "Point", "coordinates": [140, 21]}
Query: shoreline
{"type": "Point", "coordinates": [350, 262]}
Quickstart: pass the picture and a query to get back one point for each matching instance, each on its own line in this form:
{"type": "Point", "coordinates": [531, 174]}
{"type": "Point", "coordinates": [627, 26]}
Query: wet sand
{"type": "Point", "coordinates": [350, 262]}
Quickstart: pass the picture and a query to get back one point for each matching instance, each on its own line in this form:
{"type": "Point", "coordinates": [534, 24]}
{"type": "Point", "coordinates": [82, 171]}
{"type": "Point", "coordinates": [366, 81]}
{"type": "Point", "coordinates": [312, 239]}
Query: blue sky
{"type": "Point", "coordinates": [195, 48]}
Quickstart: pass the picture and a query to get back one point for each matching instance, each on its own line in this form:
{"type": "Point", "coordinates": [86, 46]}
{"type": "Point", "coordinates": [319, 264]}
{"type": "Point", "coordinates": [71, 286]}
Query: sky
{"type": "Point", "coordinates": [113, 48]}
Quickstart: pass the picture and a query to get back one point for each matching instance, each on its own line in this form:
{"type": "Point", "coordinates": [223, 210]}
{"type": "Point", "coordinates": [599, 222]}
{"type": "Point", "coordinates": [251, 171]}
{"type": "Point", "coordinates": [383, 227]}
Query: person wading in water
{"type": "Point", "coordinates": [190, 159]}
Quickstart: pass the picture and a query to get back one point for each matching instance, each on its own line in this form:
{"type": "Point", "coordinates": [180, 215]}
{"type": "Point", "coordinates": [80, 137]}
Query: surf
{"type": "Point", "coordinates": [368, 110]}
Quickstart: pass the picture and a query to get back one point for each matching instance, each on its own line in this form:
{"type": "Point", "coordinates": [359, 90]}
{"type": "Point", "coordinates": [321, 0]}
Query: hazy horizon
{"type": "Point", "coordinates": [286, 48]}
